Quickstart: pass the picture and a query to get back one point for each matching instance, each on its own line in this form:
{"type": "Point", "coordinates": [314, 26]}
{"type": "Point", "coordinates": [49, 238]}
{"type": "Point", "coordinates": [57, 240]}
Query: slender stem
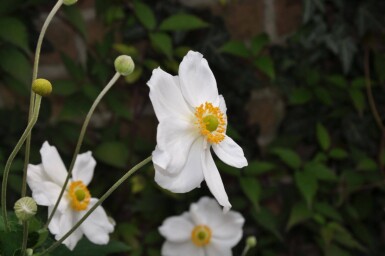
{"type": "Point", "coordinates": [32, 96]}
{"type": "Point", "coordinates": [80, 141]}
{"type": "Point", "coordinates": [12, 156]}
{"type": "Point", "coordinates": [372, 103]}
{"type": "Point", "coordinates": [25, 237]}
{"type": "Point", "coordinates": [101, 200]}
{"type": "Point", "coordinates": [246, 250]}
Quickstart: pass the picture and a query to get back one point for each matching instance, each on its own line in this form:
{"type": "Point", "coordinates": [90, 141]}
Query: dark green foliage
{"type": "Point", "coordinates": [316, 189]}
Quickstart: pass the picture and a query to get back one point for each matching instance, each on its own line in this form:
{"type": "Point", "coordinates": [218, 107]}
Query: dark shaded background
{"type": "Point", "coordinates": [293, 76]}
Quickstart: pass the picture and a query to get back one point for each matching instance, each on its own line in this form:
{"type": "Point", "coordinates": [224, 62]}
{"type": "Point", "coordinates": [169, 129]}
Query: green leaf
{"type": "Point", "coordinates": [114, 153]}
{"type": "Point", "coordinates": [328, 211]}
{"type": "Point", "coordinates": [12, 30]}
{"type": "Point", "coordinates": [236, 48]}
{"type": "Point", "coordinates": [258, 168]}
{"type": "Point", "coordinates": [307, 185]}
{"type": "Point", "coordinates": [75, 18]}
{"type": "Point", "coordinates": [86, 248]}
{"type": "Point", "coordinates": [299, 213]}
{"type": "Point", "coordinates": [367, 164]}
{"type": "Point", "coordinates": [64, 87]}
{"type": "Point", "coordinates": [320, 171]}
{"type": "Point", "coordinates": [134, 76]}
{"type": "Point", "coordinates": [265, 65]}
{"type": "Point", "coordinates": [338, 153]}
{"type": "Point", "coordinates": [323, 136]}
{"type": "Point", "coordinates": [288, 156]}
{"type": "Point", "coordinates": [300, 96]}
{"type": "Point", "coordinates": [252, 189]}
{"type": "Point", "coordinates": [181, 21]}
{"type": "Point", "coordinates": [358, 99]}
{"type": "Point", "coordinates": [145, 15]}
{"type": "Point", "coordinates": [16, 64]}
{"type": "Point", "coordinates": [73, 68]}
{"type": "Point", "coordinates": [162, 42]}
{"type": "Point", "coordinates": [258, 43]}
{"type": "Point", "coordinates": [323, 95]}
{"type": "Point", "coordinates": [267, 220]}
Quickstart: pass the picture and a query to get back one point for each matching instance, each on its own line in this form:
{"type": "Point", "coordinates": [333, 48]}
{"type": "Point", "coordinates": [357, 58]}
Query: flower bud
{"type": "Point", "coordinates": [29, 252]}
{"type": "Point", "coordinates": [42, 86]}
{"type": "Point", "coordinates": [69, 2]}
{"type": "Point", "coordinates": [251, 241]}
{"type": "Point", "coordinates": [124, 65]}
{"type": "Point", "coordinates": [25, 208]}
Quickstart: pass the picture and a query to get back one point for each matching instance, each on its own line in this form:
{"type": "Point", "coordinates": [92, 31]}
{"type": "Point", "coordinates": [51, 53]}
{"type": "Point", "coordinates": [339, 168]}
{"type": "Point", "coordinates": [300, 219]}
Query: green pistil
{"type": "Point", "coordinates": [80, 194]}
{"type": "Point", "coordinates": [211, 122]}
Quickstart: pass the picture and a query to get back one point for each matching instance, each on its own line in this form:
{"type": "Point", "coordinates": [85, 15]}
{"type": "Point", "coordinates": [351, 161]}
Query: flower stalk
{"type": "Point", "coordinates": [32, 96]}
{"type": "Point", "coordinates": [80, 141]}
{"type": "Point", "coordinates": [8, 164]}
{"type": "Point", "coordinates": [101, 200]}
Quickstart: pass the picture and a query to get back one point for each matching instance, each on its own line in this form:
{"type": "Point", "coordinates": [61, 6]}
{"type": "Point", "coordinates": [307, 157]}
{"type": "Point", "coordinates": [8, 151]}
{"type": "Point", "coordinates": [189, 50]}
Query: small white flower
{"type": "Point", "coordinates": [46, 181]}
{"type": "Point", "coordinates": [192, 119]}
{"type": "Point", "coordinates": [203, 231]}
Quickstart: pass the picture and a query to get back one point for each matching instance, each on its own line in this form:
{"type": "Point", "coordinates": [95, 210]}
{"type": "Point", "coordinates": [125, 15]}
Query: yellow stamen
{"type": "Point", "coordinates": [79, 195]}
{"type": "Point", "coordinates": [211, 121]}
{"type": "Point", "coordinates": [201, 235]}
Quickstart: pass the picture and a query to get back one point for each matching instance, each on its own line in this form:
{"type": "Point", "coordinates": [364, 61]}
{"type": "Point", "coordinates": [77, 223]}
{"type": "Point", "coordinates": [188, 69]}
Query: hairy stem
{"type": "Point", "coordinates": [80, 141]}
{"type": "Point", "coordinates": [12, 156]}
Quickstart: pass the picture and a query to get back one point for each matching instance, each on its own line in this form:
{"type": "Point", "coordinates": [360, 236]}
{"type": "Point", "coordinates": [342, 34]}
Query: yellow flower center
{"type": "Point", "coordinates": [201, 235]}
{"type": "Point", "coordinates": [211, 122]}
{"type": "Point", "coordinates": [79, 195]}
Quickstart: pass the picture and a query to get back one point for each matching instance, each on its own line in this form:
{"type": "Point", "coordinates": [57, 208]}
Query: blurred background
{"type": "Point", "coordinates": [304, 84]}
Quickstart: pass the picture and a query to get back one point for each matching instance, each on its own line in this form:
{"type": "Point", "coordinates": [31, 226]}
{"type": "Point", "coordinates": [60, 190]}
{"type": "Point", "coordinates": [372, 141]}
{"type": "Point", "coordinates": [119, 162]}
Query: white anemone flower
{"type": "Point", "coordinates": [203, 231]}
{"type": "Point", "coordinates": [192, 119]}
{"type": "Point", "coordinates": [46, 181]}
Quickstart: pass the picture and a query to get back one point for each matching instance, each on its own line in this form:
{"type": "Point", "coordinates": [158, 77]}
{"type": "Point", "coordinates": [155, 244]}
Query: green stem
{"type": "Point", "coordinates": [246, 250]}
{"type": "Point", "coordinates": [80, 141]}
{"type": "Point", "coordinates": [12, 156]}
{"type": "Point", "coordinates": [32, 96]}
{"type": "Point", "coordinates": [101, 200]}
{"type": "Point", "coordinates": [369, 92]}
{"type": "Point", "coordinates": [25, 237]}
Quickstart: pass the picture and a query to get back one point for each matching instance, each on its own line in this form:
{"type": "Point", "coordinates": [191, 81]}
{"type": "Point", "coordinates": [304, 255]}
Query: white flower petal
{"type": "Point", "coordinates": [84, 168]}
{"type": "Point", "coordinates": [227, 231]}
{"type": "Point", "coordinates": [161, 159]}
{"type": "Point", "coordinates": [213, 180]}
{"type": "Point", "coordinates": [166, 95]}
{"type": "Point", "coordinates": [176, 229]}
{"type": "Point", "coordinates": [197, 81]}
{"type": "Point", "coordinates": [206, 212]}
{"type": "Point", "coordinates": [189, 177]}
{"type": "Point", "coordinates": [97, 226]}
{"type": "Point", "coordinates": [214, 249]}
{"type": "Point", "coordinates": [222, 104]}
{"type": "Point", "coordinates": [181, 249]}
{"type": "Point", "coordinates": [67, 221]}
{"type": "Point", "coordinates": [44, 191]}
{"type": "Point", "coordinates": [54, 225]}
{"type": "Point", "coordinates": [174, 139]}
{"type": "Point", "coordinates": [230, 153]}
{"type": "Point", "coordinates": [53, 164]}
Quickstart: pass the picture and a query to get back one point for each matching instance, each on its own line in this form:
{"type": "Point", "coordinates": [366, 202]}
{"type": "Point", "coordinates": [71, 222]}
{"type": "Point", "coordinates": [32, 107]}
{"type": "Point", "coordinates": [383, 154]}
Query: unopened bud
{"type": "Point", "coordinates": [69, 2]}
{"type": "Point", "coordinates": [124, 65]}
{"type": "Point", "coordinates": [29, 252]}
{"type": "Point", "coordinates": [42, 86]}
{"type": "Point", "coordinates": [251, 241]}
{"type": "Point", "coordinates": [25, 208]}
